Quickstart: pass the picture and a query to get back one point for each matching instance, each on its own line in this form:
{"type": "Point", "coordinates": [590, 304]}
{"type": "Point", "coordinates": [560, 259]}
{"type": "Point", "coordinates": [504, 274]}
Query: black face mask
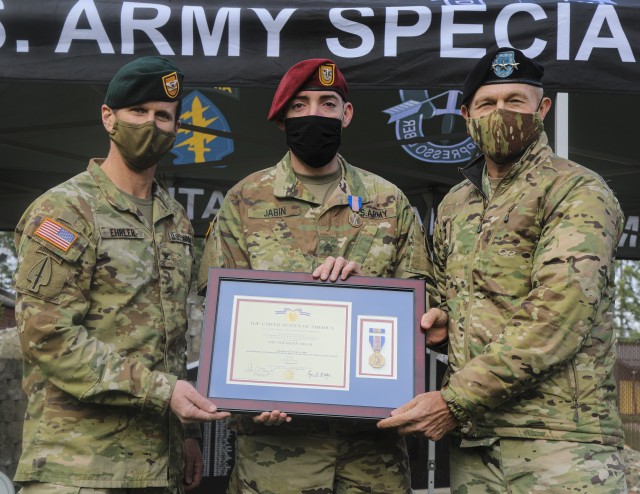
{"type": "Point", "coordinates": [315, 140]}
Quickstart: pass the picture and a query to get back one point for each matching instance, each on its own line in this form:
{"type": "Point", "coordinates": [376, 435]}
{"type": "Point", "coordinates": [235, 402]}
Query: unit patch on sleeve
{"type": "Point", "coordinates": [39, 274]}
{"type": "Point", "coordinates": [56, 234]}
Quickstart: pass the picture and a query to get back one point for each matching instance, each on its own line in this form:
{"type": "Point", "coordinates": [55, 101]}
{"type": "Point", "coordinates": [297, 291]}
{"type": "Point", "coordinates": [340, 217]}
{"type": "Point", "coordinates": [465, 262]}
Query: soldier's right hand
{"type": "Point", "coordinates": [434, 326]}
{"type": "Point", "coordinates": [189, 405]}
{"type": "Point", "coordinates": [275, 417]}
{"type": "Point", "coordinates": [336, 267]}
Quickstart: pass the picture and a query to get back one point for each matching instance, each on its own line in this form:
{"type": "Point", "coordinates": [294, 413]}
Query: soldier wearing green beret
{"type": "Point", "coordinates": [102, 281]}
{"type": "Point", "coordinates": [524, 258]}
{"type": "Point", "coordinates": [314, 212]}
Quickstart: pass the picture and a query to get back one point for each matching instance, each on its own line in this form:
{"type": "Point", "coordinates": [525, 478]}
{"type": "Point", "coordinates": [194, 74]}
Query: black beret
{"type": "Point", "coordinates": [145, 79]}
{"type": "Point", "coordinates": [504, 65]}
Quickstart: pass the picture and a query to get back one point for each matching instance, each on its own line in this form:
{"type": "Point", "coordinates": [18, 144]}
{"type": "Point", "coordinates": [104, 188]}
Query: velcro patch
{"type": "Point", "coordinates": [376, 214]}
{"type": "Point", "coordinates": [182, 238]}
{"type": "Point", "coordinates": [274, 212]}
{"type": "Point", "coordinates": [118, 232]}
{"type": "Point", "coordinates": [55, 234]}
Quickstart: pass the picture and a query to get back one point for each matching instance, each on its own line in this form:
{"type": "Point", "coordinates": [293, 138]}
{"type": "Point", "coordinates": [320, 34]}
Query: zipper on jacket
{"type": "Point", "coordinates": [573, 384]}
{"type": "Point", "coordinates": [467, 356]}
{"type": "Point", "coordinates": [506, 216]}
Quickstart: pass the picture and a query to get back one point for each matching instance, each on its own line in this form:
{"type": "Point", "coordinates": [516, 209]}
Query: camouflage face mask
{"type": "Point", "coordinates": [504, 135]}
{"type": "Point", "coordinates": [141, 145]}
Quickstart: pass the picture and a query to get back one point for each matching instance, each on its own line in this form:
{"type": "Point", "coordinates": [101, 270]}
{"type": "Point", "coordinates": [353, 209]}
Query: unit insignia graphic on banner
{"type": "Point", "coordinates": [197, 147]}
{"type": "Point", "coordinates": [430, 133]}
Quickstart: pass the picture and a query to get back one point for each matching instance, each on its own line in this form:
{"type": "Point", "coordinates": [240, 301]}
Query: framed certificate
{"type": "Point", "coordinates": [274, 340]}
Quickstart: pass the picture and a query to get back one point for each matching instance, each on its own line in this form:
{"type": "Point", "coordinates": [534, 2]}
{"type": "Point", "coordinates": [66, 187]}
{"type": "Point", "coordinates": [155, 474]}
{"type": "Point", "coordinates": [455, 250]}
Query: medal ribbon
{"type": "Point", "coordinates": [355, 203]}
{"type": "Point", "coordinates": [376, 338]}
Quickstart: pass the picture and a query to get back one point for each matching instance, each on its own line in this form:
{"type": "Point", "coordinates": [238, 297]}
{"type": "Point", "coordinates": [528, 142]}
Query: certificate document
{"type": "Point", "coordinates": [290, 342]}
{"type": "Point", "coordinates": [285, 341]}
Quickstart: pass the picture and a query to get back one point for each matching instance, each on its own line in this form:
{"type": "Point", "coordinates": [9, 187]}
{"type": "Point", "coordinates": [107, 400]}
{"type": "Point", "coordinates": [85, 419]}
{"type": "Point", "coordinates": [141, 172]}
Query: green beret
{"type": "Point", "coordinates": [145, 79]}
{"type": "Point", "coordinates": [504, 65]}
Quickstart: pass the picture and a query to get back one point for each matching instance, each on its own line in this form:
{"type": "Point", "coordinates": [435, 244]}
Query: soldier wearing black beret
{"type": "Point", "coordinates": [524, 255]}
{"type": "Point", "coordinates": [104, 269]}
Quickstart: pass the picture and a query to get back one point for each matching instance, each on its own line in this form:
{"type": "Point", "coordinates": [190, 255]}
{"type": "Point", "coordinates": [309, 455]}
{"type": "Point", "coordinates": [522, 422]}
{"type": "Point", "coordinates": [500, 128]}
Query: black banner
{"type": "Point", "coordinates": [586, 45]}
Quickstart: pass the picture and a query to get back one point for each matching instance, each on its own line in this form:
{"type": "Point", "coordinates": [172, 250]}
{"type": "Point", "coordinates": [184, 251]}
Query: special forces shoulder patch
{"type": "Point", "coordinates": [56, 234]}
{"type": "Point", "coordinates": [40, 273]}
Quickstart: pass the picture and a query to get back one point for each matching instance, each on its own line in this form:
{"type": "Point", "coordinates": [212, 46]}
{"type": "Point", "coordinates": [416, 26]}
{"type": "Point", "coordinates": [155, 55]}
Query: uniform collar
{"type": "Point", "coordinates": [537, 152]}
{"type": "Point", "coordinates": [118, 200]}
{"type": "Point", "coordinates": [287, 185]}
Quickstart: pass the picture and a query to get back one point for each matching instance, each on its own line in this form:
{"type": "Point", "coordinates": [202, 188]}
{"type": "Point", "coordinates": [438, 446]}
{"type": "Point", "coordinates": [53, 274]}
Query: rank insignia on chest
{"type": "Point", "coordinates": [56, 234]}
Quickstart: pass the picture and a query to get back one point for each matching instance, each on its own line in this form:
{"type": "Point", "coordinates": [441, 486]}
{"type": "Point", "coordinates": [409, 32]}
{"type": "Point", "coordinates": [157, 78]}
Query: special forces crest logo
{"type": "Point", "coordinates": [193, 146]}
{"type": "Point", "coordinates": [504, 64]}
{"type": "Point", "coordinates": [171, 84]}
{"type": "Point", "coordinates": [327, 74]}
{"type": "Point", "coordinates": [431, 128]}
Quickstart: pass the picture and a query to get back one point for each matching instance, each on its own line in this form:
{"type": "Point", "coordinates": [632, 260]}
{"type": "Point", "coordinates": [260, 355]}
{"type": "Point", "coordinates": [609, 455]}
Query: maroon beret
{"type": "Point", "coordinates": [315, 74]}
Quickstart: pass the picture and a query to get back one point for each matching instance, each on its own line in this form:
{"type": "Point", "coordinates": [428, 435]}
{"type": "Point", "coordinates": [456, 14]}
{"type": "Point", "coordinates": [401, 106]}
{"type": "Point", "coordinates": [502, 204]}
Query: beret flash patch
{"type": "Point", "coordinates": [171, 84]}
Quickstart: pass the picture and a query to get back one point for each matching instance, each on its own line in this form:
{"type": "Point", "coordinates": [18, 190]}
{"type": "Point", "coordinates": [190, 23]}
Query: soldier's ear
{"type": "Point", "coordinates": [347, 114]}
{"type": "Point", "coordinates": [545, 106]}
{"type": "Point", "coordinates": [108, 117]}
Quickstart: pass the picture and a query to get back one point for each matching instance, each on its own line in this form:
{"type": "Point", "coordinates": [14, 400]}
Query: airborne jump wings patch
{"type": "Point", "coordinates": [56, 234]}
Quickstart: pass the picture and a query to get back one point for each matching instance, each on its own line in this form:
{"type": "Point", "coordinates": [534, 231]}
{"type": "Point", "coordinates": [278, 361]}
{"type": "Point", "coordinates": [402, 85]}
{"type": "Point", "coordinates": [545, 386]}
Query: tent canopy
{"type": "Point", "coordinates": [57, 56]}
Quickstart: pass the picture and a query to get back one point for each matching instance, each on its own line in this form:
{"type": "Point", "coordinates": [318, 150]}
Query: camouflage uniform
{"type": "Point", "coordinates": [526, 276]}
{"type": "Point", "coordinates": [101, 311]}
{"type": "Point", "coordinates": [269, 221]}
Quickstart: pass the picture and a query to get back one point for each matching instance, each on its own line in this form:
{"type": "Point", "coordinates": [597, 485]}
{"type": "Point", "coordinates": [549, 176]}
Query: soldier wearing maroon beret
{"type": "Point", "coordinates": [313, 212]}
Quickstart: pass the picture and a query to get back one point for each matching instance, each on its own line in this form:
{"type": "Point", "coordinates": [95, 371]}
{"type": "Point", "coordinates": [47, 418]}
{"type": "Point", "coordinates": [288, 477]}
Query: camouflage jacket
{"type": "Point", "coordinates": [101, 310]}
{"type": "Point", "coordinates": [269, 221]}
{"type": "Point", "coordinates": [527, 280]}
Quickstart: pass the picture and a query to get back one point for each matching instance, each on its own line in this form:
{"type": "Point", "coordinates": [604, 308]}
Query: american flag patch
{"type": "Point", "coordinates": [56, 234]}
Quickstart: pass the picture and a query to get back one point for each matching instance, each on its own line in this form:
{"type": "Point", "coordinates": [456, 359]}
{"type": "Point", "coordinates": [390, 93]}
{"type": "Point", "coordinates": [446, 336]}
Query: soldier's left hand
{"type": "Point", "coordinates": [193, 465]}
{"type": "Point", "coordinates": [426, 414]}
{"type": "Point", "coordinates": [275, 417]}
{"type": "Point", "coordinates": [333, 268]}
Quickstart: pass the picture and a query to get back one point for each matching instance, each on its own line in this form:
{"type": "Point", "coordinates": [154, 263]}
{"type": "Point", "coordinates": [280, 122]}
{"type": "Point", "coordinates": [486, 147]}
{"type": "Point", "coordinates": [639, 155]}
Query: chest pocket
{"type": "Point", "coordinates": [376, 243]}
{"type": "Point", "coordinates": [124, 255]}
{"type": "Point", "coordinates": [177, 252]}
{"type": "Point", "coordinates": [509, 245]}
{"type": "Point", "coordinates": [277, 236]}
